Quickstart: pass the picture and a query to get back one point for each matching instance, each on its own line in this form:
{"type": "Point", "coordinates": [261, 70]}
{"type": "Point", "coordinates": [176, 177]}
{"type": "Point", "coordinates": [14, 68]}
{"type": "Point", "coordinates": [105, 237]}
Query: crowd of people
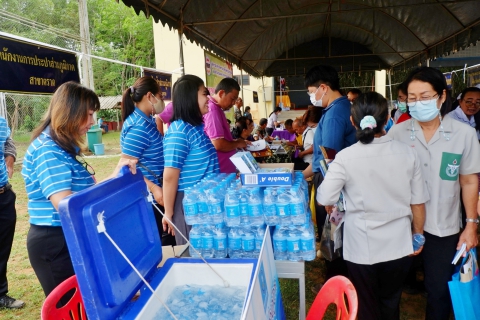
{"type": "Point", "coordinates": [414, 172]}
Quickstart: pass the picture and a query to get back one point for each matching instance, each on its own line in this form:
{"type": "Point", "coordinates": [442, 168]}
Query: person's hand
{"type": "Point", "coordinates": [468, 236]}
{"type": "Point", "coordinates": [167, 226]}
{"type": "Point", "coordinates": [157, 194]}
{"type": "Point", "coordinates": [249, 143]}
{"type": "Point", "coordinates": [416, 253]}
{"type": "Point", "coordinates": [329, 209]}
{"type": "Point", "coordinates": [9, 161]}
{"type": "Point", "coordinates": [241, 143]}
{"type": "Point", "coordinates": [131, 163]}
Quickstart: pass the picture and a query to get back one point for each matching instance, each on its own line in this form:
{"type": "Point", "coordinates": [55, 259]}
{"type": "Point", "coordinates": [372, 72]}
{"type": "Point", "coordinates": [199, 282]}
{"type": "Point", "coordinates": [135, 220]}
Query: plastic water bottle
{"type": "Point", "coordinates": [232, 209]}
{"type": "Point", "coordinates": [297, 206]}
{"type": "Point", "coordinates": [216, 203]}
{"type": "Point", "coordinates": [293, 244]}
{"type": "Point", "coordinates": [243, 205]}
{"type": "Point", "coordinates": [207, 241]}
{"type": "Point", "coordinates": [220, 244]}
{"type": "Point", "coordinates": [283, 206]}
{"type": "Point", "coordinates": [418, 241]}
{"type": "Point", "coordinates": [280, 243]}
{"type": "Point", "coordinates": [195, 237]}
{"type": "Point", "coordinates": [235, 243]}
{"type": "Point", "coordinates": [255, 208]}
{"type": "Point", "coordinates": [259, 235]}
{"type": "Point", "coordinates": [248, 243]}
{"type": "Point", "coordinates": [202, 205]}
{"type": "Point", "coordinates": [269, 207]}
{"type": "Point", "coordinates": [307, 242]}
{"type": "Point", "coordinates": [190, 207]}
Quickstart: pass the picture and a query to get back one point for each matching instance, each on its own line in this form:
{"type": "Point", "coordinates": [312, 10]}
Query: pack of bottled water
{"type": "Point", "coordinates": [229, 219]}
{"type": "Point", "coordinates": [204, 202]}
{"type": "Point", "coordinates": [294, 243]}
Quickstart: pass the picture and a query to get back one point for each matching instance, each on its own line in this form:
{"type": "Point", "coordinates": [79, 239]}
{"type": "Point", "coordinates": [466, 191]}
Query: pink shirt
{"type": "Point", "coordinates": [167, 113]}
{"type": "Point", "coordinates": [216, 127]}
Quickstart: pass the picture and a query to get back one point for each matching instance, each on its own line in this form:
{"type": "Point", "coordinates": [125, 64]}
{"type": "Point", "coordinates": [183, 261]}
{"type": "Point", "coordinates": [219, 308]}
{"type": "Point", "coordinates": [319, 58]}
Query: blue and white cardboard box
{"type": "Point", "coordinates": [269, 179]}
{"type": "Point", "coordinates": [108, 283]}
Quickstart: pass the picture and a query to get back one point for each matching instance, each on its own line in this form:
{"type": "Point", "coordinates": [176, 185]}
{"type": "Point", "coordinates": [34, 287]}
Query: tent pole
{"type": "Point", "coordinates": [241, 77]}
{"type": "Point", "coordinates": [390, 85]}
{"type": "Point", "coordinates": [180, 42]}
{"type": "Point", "coordinates": [264, 97]}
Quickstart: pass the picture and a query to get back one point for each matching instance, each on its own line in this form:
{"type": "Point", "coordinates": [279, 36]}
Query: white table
{"type": "Point", "coordinates": [294, 270]}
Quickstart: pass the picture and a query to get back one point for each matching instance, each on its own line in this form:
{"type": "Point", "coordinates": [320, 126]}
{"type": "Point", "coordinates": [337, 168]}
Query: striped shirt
{"type": "Point", "coordinates": [141, 139]}
{"type": "Point", "coordinates": [189, 149]}
{"type": "Point", "coordinates": [48, 169]}
{"type": "Point", "coordinates": [4, 134]}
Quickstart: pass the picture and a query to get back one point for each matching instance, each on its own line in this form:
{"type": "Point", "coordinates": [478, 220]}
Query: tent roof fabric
{"type": "Point", "coordinates": [287, 37]}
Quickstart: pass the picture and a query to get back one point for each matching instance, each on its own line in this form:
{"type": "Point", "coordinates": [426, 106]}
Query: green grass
{"type": "Point", "coordinates": [24, 285]}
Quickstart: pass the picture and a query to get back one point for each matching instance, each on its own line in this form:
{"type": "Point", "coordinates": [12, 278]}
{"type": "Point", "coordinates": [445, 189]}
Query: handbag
{"type": "Point", "coordinates": [327, 243]}
{"type": "Point", "coordinates": [466, 295]}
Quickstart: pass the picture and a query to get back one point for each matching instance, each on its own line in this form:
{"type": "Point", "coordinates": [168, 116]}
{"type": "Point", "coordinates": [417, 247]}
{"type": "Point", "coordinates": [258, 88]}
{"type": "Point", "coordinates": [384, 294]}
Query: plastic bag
{"type": "Point", "coordinates": [327, 243]}
{"type": "Point", "coordinates": [466, 295]}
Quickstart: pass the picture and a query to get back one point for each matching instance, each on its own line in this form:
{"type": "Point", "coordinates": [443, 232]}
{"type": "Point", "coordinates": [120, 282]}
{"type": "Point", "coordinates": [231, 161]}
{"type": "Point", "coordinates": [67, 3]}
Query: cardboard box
{"type": "Point", "coordinates": [245, 162]}
{"type": "Point", "coordinates": [269, 179]}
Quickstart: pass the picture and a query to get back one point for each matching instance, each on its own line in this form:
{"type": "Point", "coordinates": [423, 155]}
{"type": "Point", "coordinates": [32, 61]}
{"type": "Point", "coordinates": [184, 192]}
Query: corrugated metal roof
{"type": "Point", "coordinates": [287, 37]}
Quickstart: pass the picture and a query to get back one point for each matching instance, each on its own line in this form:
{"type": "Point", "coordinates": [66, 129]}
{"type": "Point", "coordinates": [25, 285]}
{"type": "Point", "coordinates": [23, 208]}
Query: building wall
{"type": "Point", "coordinates": [167, 57]}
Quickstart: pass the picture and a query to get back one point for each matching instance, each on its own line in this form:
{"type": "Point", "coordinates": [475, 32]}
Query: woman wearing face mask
{"type": "Point", "coordinates": [449, 153]}
{"type": "Point", "coordinates": [402, 113]}
{"type": "Point", "coordinates": [140, 139]}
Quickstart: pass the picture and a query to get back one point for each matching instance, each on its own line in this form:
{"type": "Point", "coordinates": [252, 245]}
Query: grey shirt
{"type": "Point", "coordinates": [442, 161]}
{"type": "Point", "coordinates": [380, 181]}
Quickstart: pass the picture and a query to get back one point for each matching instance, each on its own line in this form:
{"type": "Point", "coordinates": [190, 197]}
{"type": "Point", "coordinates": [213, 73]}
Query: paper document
{"type": "Point", "coordinates": [257, 145]}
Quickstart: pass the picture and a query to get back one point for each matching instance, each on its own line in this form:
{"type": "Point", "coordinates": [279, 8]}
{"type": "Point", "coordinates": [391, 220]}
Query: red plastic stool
{"type": "Point", "coordinates": [334, 291]}
{"type": "Point", "coordinates": [72, 310]}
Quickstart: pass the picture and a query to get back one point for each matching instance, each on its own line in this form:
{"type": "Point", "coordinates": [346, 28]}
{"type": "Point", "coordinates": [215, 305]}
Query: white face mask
{"type": "Point", "coordinates": [316, 103]}
{"type": "Point", "coordinates": [424, 112]}
{"type": "Point", "coordinates": [159, 106]}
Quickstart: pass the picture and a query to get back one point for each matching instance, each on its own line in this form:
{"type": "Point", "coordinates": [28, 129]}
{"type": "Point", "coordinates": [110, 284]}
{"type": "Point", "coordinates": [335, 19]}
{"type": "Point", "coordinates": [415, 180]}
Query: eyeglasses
{"type": "Point", "coordinates": [470, 103]}
{"type": "Point", "coordinates": [423, 100]}
{"type": "Point", "coordinates": [310, 93]}
{"type": "Point", "coordinates": [85, 165]}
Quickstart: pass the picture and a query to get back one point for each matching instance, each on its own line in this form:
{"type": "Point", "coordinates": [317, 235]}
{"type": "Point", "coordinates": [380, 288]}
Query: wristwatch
{"type": "Point", "coordinates": [472, 220]}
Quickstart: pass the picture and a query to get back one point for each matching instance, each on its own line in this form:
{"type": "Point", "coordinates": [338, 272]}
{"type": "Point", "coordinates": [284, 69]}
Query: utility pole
{"type": "Point", "coordinates": [87, 72]}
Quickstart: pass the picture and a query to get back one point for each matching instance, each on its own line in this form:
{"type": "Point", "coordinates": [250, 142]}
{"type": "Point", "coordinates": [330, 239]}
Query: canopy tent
{"type": "Point", "coordinates": [287, 37]}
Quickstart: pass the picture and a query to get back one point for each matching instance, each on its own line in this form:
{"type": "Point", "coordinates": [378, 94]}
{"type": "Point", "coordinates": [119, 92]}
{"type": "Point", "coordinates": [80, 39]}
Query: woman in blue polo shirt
{"type": "Point", "coordinates": [140, 139]}
{"type": "Point", "coordinates": [52, 170]}
{"type": "Point", "coordinates": [189, 153]}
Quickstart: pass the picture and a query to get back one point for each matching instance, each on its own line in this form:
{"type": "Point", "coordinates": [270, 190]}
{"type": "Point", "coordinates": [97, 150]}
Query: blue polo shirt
{"type": "Point", "coordinates": [48, 169]}
{"type": "Point", "coordinates": [190, 150]}
{"type": "Point", "coordinates": [141, 139]}
{"type": "Point", "coordinates": [334, 131]}
{"type": "Point", "coordinates": [4, 134]}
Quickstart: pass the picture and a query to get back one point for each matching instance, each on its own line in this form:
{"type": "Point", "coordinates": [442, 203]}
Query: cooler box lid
{"type": "Point", "coordinates": [106, 280]}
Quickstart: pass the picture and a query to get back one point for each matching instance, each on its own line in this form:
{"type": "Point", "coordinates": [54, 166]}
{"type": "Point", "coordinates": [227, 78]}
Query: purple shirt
{"type": "Point", "coordinates": [216, 127]}
{"type": "Point", "coordinates": [167, 113]}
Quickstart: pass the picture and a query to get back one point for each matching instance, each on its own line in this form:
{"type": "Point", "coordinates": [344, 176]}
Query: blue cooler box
{"type": "Point", "coordinates": [107, 282]}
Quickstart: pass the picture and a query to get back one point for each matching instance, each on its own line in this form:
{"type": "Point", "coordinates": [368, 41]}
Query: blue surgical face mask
{"type": "Point", "coordinates": [424, 111]}
{"type": "Point", "coordinates": [402, 106]}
